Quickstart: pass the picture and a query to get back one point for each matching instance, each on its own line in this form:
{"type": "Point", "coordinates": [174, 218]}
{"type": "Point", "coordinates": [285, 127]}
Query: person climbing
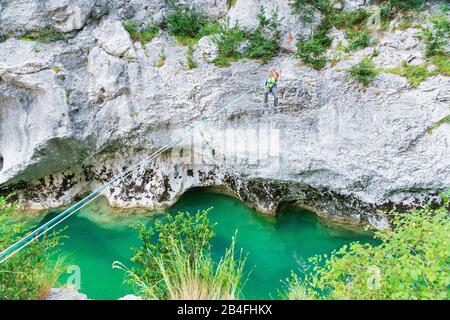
{"type": "Point", "coordinates": [271, 87]}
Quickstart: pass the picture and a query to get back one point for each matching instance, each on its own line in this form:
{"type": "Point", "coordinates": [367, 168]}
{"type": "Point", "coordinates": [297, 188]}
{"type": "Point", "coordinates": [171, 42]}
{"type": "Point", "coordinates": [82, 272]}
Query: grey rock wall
{"type": "Point", "coordinates": [75, 113]}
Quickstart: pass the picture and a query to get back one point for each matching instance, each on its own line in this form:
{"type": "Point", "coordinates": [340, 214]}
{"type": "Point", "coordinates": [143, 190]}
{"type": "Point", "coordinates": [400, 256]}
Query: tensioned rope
{"type": "Point", "coordinates": [46, 227]}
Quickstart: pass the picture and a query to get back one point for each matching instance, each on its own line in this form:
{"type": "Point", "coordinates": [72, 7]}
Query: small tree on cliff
{"type": "Point", "coordinates": [32, 272]}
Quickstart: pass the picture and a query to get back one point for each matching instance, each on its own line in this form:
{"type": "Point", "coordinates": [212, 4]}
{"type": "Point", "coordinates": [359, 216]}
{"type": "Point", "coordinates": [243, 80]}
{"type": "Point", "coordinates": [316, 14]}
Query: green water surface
{"type": "Point", "coordinates": [97, 238]}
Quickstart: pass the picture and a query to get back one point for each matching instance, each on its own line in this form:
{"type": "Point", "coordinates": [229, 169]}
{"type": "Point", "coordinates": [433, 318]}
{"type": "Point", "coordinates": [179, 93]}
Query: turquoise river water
{"type": "Point", "coordinates": [97, 237]}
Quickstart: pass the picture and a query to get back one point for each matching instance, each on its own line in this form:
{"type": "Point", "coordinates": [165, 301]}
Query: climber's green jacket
{"type": "Point", "coordinates": [271, 82]}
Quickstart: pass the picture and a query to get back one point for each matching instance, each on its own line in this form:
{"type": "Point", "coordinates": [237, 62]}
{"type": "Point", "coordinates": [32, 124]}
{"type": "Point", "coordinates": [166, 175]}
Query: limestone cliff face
{"type": "Point", "coordinates": [75, 113]}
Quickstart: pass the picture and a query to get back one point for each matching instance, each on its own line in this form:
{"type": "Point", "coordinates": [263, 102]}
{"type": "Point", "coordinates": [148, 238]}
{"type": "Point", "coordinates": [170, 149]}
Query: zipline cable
{"type": "Point", "coordinates": [49, 225]}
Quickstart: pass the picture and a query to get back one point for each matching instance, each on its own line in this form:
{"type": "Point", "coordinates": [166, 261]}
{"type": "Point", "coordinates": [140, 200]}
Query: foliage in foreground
{"type": "Point", "coordinates": [143, 33]}
{"type": "Point", "coordinates": [31, 273]}
{"type": "Point", "coordinates": [175, 262]}
{"type": "Point", "coordinates": [412, 262]}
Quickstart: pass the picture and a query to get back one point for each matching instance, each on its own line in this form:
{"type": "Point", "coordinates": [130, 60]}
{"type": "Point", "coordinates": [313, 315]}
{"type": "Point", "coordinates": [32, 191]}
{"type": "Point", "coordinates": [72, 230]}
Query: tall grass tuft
{"type": "Point", "coordinates": [180, 266]}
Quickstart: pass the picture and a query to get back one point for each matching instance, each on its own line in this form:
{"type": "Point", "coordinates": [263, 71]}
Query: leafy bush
{"type": "Point", "coordinates": [358, 40]}
{"type": "Point", "coordinates": [143, 33]}
{"type": "Point", "coordinates": [411, 262]}
{"type": "Point", "coordinates": [149, 32]}
{"type": "Point", "coordinates": [132, 28]}
{"type": "Point", "coordinates": [175, 261]}
{"type": "Point", "coordinates": [354, 21]}
{"type": "Point", "coordinates": [312, 51]}
{"type": "Point", "coordinates": [261, 48]}
{"type": "Point", "coordinates": [264, 42]}
{"type": "Point", "coordinates": [390, 9]}
{"type": "Point", "coordinates": [227, 42]}
{"type": "Point", "coordinates": [186, 22]}
{"type": "Point", "coordinates": [365, 71]}
{"type": "Point", "coordinates": [32, 272]}
{"type": "Point", "coordinates": [405, 5]}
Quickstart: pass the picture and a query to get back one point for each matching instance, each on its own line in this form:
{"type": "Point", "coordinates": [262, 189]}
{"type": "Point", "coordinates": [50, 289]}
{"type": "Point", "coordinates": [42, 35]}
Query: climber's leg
{"type": "Point", "coordinates": [273, 91]}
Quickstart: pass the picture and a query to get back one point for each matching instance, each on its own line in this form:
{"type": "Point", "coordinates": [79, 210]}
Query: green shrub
{"type": "Point", "coordinates": [445, 8]}
{"type": "Point", "coordinates": [358, 40]}
{"type": "Point", "coordinates": [264, 42]}
{"type": "Point", "coordinates": [353, 21]}
{"type": "Point", "coordinates": [149, 32]}
{"type": "Point", "coordinates": [132, 28]}
{"type": "Point", "coordinates": [390, 9]}
{"type": "Point", "coordinates": [175, 262]}
{"type": "Point", "coordinates": [210, 29]}
{"type": "Point", "coordinates": [405, 5]}
{"type": "Point", "coordinates": [261, 47]}
{"type": "Point", "coordinates": [415, 74]}
{"type": "Point", "coordinates": [437, 38]}
{"type": "Point", "coordinates": [227, 42]}
{"type": "Point", "coordinates": [143, 33]}
{"type": "Point", "coordinates": [186, 22]}
{"type": "Point", "coordinates": [410, 263]}
{"type": "Point", "coordinates": [312, 51]}
{"type": "Point", "coordinates": [442, 62]}
{"type": "Point", "coordinates": [365, 71]}
{"type": "Point", "coordinates": [32, 272]}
